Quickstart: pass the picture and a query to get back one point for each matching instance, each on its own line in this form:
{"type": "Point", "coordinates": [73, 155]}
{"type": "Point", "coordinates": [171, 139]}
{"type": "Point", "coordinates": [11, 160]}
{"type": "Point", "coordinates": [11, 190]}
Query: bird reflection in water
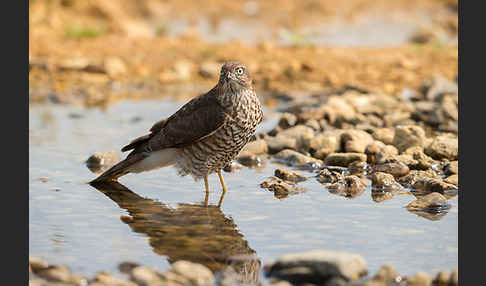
{"type": "Point", "coordinates": [199, 233]}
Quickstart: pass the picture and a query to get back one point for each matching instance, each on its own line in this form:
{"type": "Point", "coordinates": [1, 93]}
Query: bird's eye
{"type": "Point", "coordinates": [239, 71]}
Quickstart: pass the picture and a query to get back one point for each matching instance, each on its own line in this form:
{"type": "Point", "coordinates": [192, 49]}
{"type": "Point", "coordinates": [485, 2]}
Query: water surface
{"type": "Point", "coordinates": [158, 217]}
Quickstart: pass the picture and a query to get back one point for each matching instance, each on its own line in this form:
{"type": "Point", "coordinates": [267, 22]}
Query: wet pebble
{"type": "Point", "coordinates": [384, 182]}
{"type": "Point", "coordinates": [433, 202]}
{"type": "Point", "coordinates": [429, 185]}
{"type": "Point", "coordinates": [349, 186]}
{"type": "Point", "coordinates": [289, 176]}
{"type": "Point", "coordinates": [318, 267]}
{"type": "Point", "coordinates": [280, 188]}
{"type": "Point", "coordinates": [397, 169]}
{"type": "Point", "coordinates": [344, 159]}
{"type": "Point", "coordinates": [329, 176]}
{"type": "Point", "coordinates": [291, 157]}
{"type": "Point", "coordinates": [249, 160]}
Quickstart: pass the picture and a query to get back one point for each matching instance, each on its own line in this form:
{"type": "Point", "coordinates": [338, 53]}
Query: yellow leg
{"type": "Point", "coordinates": [224, 188]}
{"type": "Point", "coordinates": [206, 185]}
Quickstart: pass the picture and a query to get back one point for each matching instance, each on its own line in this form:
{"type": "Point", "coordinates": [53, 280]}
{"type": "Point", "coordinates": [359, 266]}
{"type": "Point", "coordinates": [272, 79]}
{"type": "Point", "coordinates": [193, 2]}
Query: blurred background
{"type": "Point", "coordinates": [147, 48]}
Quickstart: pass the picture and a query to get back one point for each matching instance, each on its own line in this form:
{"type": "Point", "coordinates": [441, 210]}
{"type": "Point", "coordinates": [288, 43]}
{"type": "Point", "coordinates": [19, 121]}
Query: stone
{"type": "Point", "coordinates": [424, 162]}
{"type": "Point", "coordinates": [407, 136]}
{"type": "Point", "coordinates": [452, 168]}
{"type": "Point", "coordinates": [280, 188]}
{"type": "Point", "coordinates": [384, 135]}
{"type": "Point", "coordinates": [100, 161]}
{"type": "Point", "coordinates": [287, 120]}
{"type": "Point", "coordinates": [290, 176]}
{"type": "Point", "coordinates": [37, 264]}
{"type": "Point", "coordinates": [114, 66]}
{"type": "Point", "coordinates": [249, 160]}
{"type": "Point", "coordinates": [452, 179]}
{"type": "Point", "coordinates": [344, 159]}
{"type": "Point", "coordinates": [279, 143]}
{"type": "Point", "coordinates": [443, 147]}
{"type": "Point", "coordinates": [420, 279]}
{"type": "Point", "coordinates": [355, 141]}
{"type": "Point", "coordinates": [330, 143]}
{"type": "Point", "coordinates": [397, 169]}
{"type": "Point", "coordinates": [384, 182]}
{"type": "Point", "coordinates": [433, 202]}
{"type": "Point", "coordinates": [318, 267]}
{"type": "Point", "coordinates": [416, 175]}
{"type": "Point", "coordinates": [107, 279]}
{"type": "Point", "coordinates": [357, 167]}
{"type": "Point", "coordinates": [454, 279]}
{"type": "Point", "coordinates": [349, 186]}
{"type": "Point", "coordinates": [429, 185]}
{"type": "Point", "coordinates": [55, 273]}
{"type": "Point", "coordinates": [256, 147]}
{"type": "Point", "coordinates": [146, 276]}
{"type": "Point", "coordinates": [127, 266]}
{"type": "Point", "coordinates": [442, 278]}
{"type": "Point", "coordinates": [197, 274]}
{"type": "Point", "coordinates": [330, 175]}
{"type": "Point", "coordinates": [291, 157]}
{"type": "Point", "coordinates": [232, 167]}
{"type": "Point", "coordinates": [301, 133]}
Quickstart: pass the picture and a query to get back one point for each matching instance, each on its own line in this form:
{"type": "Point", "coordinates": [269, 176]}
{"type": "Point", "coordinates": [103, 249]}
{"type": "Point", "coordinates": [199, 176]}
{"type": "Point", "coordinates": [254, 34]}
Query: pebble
{"type": "Point", "coordinates": [291, 157]}
{"type": "Point", "coordinates": [408, 136]}
{"type": "Point", "coordinates": [289, 176]}
{"type": "Point", "coordinates": [344, 159]}
{"type": "Point", "coordinates": [433, 202]}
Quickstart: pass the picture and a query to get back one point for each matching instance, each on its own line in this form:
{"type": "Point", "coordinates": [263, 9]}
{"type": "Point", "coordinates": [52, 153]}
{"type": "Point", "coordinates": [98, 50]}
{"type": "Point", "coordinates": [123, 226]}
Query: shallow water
{"type": "Point", "coordinates": [158, 216]}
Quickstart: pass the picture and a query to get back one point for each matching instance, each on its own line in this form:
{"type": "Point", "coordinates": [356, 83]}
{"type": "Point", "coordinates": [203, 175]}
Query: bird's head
{"type": "Point", "coordinates": [236, 75]}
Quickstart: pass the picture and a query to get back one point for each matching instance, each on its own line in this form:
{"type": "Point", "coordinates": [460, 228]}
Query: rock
{"type": "Point", "coordinates": [114, 66]}
{"type": "Point", "coordinates": [384, 182]}
{"type": "Point", "coordinates": [287, 120]}
{"type": "Point", "coordinates": [301, 133]}
{"type": "Point", "coordinates": [377, 150]}
{"type": "Point", "coordinates": [384, 135]}
{"type": "Point", "coordinates": [452, 168]}
{"type": "Point", "coordinates": [36, 264]}
{"type": "Point", "coordinates": [249, 160]}
{"type": "Point", "coordinates": [314, 124]}
{"type": "Point", "coordinates": [415, 175]}
{"type": "Point", "coordinates": [330, 175]}
{"type": "Point", "coordinates": [209, 69]}
{"type": "Point", "coordinates": [102, 161]}
{"type": "Point", "coordinates": [232, 167]}
{"type": "Point", "coordinates": [408, 136]}
{"type": "Point", "coordinates": [349, 186]}
{"type": "Point", "coordinates": [429, 185]}
{"type": "Point", "coordinates": [38, 282]}
{"type": "Point", "coordinates": [291, 157]}
{"type": "Point", "coordinates": [344, 159]}
{"type": "Point", "coordinates": [397, 169]}
{"type": "Point", "coordinates": [355, 141]}
{"type": "Point", "coordinates": [442, 278]}
{"type": "Point", "coordinates": [146, 276]}
{"type": "Point", "coordinates": [438, 86]}
{"type": "Point", "coordinates": [330, 143]}
{"type": "Point", "coordinates": [420, 279]}
{"type": "Point", "coordinates": [56, 273]}
{"type": "Point", "coordinates": [107, 279]}
{"type": "Point", "coordinates": [433, 202]}
{"type": "Point", "coordinates": [279, 143]}
{"type": "Point", "coordinates": [357, 167]}
{"type": "Point", "coordinates": [443, 147]}
{"type": "Point", "coordinates": [452, 179]}
{"type": "Point", "coordinates": [196, 274]}
{"type": "Point", "coordinates": [280, 188]}
{"type": "Point", "coordinates": [318, 267]}
{"type": "Point", "coordinates": [256, 147]}
{"type": "Point", "coordinates": [387, 275]}
{"type": "Point", "coordinates": [424, 162]}
{"type": "Point", "coordinates": [289, 176]}
{"type": "Point", "coordinates": [127, 266]}
{"type": "Point", "coordinates": [454, 279]}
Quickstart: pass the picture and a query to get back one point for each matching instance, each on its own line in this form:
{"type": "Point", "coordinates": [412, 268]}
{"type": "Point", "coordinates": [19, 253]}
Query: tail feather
{"type": "Point", "coordinates": [120, 169]}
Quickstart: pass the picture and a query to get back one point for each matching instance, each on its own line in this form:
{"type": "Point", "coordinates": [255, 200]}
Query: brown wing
{"type": "Point", "coordinates": [197, 119]}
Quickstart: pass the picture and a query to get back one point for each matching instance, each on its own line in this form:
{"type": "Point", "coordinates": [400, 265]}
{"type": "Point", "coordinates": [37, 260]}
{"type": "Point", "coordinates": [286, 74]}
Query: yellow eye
{"type": "Point", "coordinates": [239, 71]}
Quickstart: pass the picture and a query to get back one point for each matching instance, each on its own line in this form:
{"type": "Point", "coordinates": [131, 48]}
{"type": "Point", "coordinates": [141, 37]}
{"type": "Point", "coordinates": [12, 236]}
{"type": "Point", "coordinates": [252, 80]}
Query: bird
{"type": "Point", "coordinates": [203, 136]}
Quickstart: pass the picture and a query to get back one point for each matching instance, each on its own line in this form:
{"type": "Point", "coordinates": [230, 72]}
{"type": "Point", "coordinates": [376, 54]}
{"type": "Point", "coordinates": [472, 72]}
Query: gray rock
{"type": "Point", "coordinates": [318, 267]}
{"type": "Point", "coordinates": [344, 159]}
{"type": "Point", "coordinates": [291, 157]}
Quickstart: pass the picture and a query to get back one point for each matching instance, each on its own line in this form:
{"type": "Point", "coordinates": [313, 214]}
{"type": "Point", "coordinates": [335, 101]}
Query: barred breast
{"type": "Point", "coordinates": [216, 151]}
